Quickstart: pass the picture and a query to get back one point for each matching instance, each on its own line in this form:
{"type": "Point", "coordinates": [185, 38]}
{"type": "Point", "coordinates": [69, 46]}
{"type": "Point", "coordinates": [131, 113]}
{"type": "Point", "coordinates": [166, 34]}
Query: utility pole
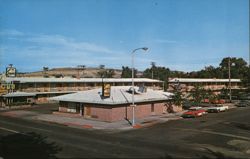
{"type": "Point", "coordinates": [152, 71]}
{"type": "Point", "coordinates": [78, 74]}
{"type": "Point", "coordinates": [152, 74]}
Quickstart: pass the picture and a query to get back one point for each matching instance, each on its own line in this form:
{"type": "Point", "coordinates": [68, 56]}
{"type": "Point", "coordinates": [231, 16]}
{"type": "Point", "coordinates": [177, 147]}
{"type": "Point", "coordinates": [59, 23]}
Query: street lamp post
{"type": "Point", "coordinates": [133, 89]}
{"type": "Point", "coordinates": [229, 77]}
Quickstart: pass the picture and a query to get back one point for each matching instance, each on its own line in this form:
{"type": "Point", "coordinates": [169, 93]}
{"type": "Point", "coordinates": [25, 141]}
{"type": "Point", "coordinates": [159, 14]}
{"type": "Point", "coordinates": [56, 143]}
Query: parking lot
{"type": "Point", "coordinates": [215, 135]}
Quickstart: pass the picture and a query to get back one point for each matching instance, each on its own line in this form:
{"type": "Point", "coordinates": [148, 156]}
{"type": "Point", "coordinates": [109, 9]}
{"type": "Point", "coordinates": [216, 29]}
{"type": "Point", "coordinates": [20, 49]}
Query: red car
{"type": "Point", "coordinates": [193, 113]}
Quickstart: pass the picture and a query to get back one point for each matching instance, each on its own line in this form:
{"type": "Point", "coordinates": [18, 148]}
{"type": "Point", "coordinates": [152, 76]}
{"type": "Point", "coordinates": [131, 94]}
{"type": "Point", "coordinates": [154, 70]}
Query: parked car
{"type": "Point", "coordinates": [213, 110]}
{"type": "Point", "coordinates": [194, 112]}
{"type": "Point", "coordinates": [217, 101]}
{"type": "Point", "coordinates": [243, 103]}
{"type": "Point", "coordinates": [197, 108]}
{"type": "Point", "coordinates": [222, 107]}
{"type": "Point", "coordinates": [220, 101]}
{"type": "Point", "coordinates": [217, 109]}
{"type": "Point", "coordinates": [245, 96]}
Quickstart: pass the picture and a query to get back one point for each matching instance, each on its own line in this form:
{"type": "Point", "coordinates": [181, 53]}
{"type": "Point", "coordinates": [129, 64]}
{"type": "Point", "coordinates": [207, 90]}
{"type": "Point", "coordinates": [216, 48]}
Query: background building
{"type": "Point", "coordinates": [216, 85]}
{"type": "Point", "coordinates": [43, 88]}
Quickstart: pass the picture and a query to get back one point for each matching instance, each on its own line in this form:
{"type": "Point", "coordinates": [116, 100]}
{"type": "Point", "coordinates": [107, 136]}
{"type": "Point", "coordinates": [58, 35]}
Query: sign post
{"type": "Point", "coordinates": [10, 71]}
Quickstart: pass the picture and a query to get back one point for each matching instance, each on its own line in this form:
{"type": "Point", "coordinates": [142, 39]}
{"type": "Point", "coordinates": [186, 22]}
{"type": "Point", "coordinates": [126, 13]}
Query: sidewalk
{"type": "Point", "coordinates": [80, 122]}
{"type": "Point", "coordinates": [94, 124]}
{"type": "Point", "coordinates": [15, 107]}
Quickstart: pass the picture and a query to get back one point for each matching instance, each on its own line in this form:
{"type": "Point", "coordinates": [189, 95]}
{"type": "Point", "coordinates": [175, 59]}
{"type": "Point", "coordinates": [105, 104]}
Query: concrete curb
{"type": "Point", "coordinates": [9, 114]}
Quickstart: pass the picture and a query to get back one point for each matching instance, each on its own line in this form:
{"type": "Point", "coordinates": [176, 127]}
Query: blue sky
{"type": "Point", "coordinates": [182, 35]}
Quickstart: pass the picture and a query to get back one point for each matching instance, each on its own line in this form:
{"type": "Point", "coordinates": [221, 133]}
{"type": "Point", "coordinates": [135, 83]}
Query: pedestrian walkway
{"type": "Point", "coordinates": [15, 107]}
{"type": "Point", "coordinates": [85, 123]}
{"type": "Point", "coordinates": [80, 122]}
{"type": "Point", "coordinates": [94, 124]}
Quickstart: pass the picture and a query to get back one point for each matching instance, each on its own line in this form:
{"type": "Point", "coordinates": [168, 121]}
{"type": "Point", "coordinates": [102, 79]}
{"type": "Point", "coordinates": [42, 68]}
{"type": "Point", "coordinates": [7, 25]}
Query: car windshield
{"type": "Point", "coordinates": [192, 109]}
{"type": "Point", "coordinates": [195, 108]}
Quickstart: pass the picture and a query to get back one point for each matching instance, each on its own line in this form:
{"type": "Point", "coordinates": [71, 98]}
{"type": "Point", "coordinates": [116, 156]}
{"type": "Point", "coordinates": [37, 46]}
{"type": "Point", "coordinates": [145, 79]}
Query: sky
{"type": "Point", "coordinates": [184, 35]}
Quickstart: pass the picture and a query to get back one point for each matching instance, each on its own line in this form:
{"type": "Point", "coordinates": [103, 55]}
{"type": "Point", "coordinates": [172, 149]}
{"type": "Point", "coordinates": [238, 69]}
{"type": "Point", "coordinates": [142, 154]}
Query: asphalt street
{"type": "Point", "coordinates": [216, 135]}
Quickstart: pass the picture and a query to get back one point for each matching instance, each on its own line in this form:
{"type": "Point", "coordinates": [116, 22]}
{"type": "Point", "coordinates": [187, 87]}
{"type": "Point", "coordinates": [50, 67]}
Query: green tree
{"type": "Point", "coordinates": [198, 94]}
{"type": "Point", "coordinates": [127, 72]}
{"type": "Point", "coordinates": [209, 94]}
{"type": "Point", "coordinates": [102, 72]}
{"type": "Point", "coordinates": [153, 66]}
{"type": "Point", "coordinates": [193, 74]}
{"type": "Point", "coordinates": [45, 72]}
{"type": "Point", "coordinates": [224, 93]}
{"type": "Point", "coordinates": [160, 73]}
{"type": "Point", "coordinates": [106, 73]}
{"type": "Point", "coordinates": [209, 72]}
{"type": "Point", "coordinates": [110, 73]}
{"type": "Point", "coordinates": [177, 98]}
{"type": "Point", "coordinates": [101, 67]}
{"type": "Point", "coordinates": [179, 74]}
{"type": "Point", "coordinates": [246, 79]}
{"type": "Point", "coordinates": [238, 67]}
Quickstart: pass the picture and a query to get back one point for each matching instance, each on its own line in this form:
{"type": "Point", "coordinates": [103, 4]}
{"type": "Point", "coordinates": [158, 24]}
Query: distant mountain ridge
{"type": "Point", "coordinates": [88, 72]}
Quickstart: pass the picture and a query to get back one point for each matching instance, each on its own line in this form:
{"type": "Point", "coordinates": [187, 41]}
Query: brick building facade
{"type": "Point", "coordinates": [112, 113]}
{"type": "Point", "coordinates": [90, 104]}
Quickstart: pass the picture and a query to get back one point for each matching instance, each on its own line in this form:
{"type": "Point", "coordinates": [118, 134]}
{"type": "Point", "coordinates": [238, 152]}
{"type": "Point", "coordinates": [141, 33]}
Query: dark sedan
{"type": "Point", "coordinates": [243, 103]}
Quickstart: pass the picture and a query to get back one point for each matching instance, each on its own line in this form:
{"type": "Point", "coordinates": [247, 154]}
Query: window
{"type": "Point", "coordinates": [31, 85]}
{"type": "Point", "coordinates": [58, 85]}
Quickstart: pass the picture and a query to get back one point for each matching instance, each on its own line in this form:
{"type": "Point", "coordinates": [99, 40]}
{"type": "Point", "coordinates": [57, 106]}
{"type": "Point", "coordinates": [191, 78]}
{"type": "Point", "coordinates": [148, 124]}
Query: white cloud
{"type": "Point", "coordinates": [11, 33]}
{"type": "Point", "coordinates": [56, 41]}
{"type": "Point", "coordinates": [69, 43]}
{"type": "Point", "coordinates": [37, 50]}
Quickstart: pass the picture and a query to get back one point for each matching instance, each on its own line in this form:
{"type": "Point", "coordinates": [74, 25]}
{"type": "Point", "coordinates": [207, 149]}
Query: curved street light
{"type": "Point", "coordinates": [230, 63]}
{"type": "Point", "coordinates": [133, 89]}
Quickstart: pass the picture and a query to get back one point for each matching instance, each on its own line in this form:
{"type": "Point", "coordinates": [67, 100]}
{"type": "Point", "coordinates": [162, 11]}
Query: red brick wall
{"type": "Point", "coordinates": [141, 110]}
{"type": "Point", "coordinates": [103, 114]}
{"type": "Point", "coordinates": [109, 114]}
{"type": "Point", "coordinates": [119, 113]}
{"type": "Point", "coordinates": [159, 108]}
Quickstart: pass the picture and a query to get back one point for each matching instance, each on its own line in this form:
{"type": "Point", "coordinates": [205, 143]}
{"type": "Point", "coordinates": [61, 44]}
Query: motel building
{"type": "Point", "coordinates": [28, 90]}
{"type": "Point", "coordinates": [114, 103]}
{"type": "Point", "coordinates": [186, 85]}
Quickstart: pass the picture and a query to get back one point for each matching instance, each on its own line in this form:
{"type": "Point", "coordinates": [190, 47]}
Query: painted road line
{"type": "Point", "coordinates": [22, 126]}
{"type": "Point", "coordinates": [215, 133]}
{"type": "Point", "coordinates": [9, 130]}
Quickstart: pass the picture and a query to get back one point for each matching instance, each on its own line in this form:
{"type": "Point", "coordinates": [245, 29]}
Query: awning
{"type": "Point", "coordinates": [19, 94]}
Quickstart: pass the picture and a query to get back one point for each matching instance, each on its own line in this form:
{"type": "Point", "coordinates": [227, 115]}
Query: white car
{"type": "Point", "coordinates": [213, 109]}
{"type": "Point", "coordinates": [217, 109]}
{"type": "Point", "coordinates": [223, 108]}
